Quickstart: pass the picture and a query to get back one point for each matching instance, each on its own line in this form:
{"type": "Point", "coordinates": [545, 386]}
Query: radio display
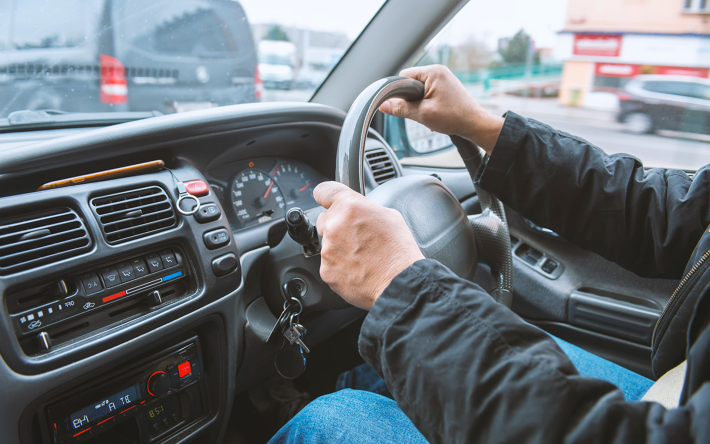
{"type": "Point", "coordinates": [115, 403]}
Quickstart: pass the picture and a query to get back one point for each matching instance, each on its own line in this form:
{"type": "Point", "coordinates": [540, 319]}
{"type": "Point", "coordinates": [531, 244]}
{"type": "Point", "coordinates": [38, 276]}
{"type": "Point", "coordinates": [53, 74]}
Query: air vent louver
{"type": "Point", "coordinates": [133, 214]}
{"type": "Point", "coordinates": [40, 238]}
{"type": "Point", "coordinates": [381, 165]}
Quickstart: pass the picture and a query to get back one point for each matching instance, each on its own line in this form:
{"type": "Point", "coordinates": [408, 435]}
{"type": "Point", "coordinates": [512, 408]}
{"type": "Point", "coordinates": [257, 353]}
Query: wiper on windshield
{"type": "Point", "coordinates": [52, 118]}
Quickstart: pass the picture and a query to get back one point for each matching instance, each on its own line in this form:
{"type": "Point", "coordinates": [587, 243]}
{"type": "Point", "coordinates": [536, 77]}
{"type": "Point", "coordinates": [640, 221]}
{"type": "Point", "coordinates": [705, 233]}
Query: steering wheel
{"type": "Point", "coordinates": [438, 222]}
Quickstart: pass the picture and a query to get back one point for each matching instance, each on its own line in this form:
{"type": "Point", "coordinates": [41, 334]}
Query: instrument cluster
{"type": "Point", "coordinates": [261, 190]}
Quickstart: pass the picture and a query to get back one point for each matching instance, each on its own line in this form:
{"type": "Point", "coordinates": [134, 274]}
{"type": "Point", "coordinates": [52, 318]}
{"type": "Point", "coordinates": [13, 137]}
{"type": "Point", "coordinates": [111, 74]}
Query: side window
{"type": "Point", "coordinates": [180, 28]}
{"type": "Point", "coordinates": [48, 24]}
{"type": "Point", "coordinates": [576, 65]}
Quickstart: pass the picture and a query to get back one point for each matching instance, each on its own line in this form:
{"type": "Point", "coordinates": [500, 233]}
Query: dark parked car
{"type": "Point", "coordinates": [125, 55]}
{"type": "Point", "coordinates": [677, 103]}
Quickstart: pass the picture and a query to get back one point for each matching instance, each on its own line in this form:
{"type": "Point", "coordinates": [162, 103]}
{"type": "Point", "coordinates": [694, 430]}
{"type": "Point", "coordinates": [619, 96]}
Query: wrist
{"type": "Point", "coordinates": [483, 128]}
{"type": "Point", "coordinates": [388, 275]}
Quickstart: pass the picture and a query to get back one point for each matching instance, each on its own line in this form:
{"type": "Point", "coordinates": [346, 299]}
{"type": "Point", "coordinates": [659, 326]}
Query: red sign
{"type": "Point", "coordinates": [614, 70]}
{"type": "Point", "coordinates": [597, 45]}
{"type": "Point", "coordinates": [679, 71]}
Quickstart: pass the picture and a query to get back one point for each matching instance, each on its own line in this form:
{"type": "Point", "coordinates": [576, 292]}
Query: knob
{"type": "Point", "coordinates": [302, 231]}
{"type": "Point", "coordinates": [158, 384]}
{"type": "Point", "coordinates": [44, 341]}
{"type": "Point", "coordinates": [154, 299]}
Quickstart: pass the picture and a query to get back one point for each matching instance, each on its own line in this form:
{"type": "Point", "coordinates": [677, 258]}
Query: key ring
{"type": "Point", "coordinates": [287, 304]}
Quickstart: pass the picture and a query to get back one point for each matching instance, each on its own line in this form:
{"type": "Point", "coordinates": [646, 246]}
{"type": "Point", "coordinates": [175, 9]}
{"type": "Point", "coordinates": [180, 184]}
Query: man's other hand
{"type": "Point", "coordinates": [365, 245]}
{"type": "Point", "coordinates": [447, 107]}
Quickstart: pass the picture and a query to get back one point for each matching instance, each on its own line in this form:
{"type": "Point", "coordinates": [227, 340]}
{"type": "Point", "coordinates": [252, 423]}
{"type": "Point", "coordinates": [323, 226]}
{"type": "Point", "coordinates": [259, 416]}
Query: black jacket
{"type": "Point", "coordinates": [466, 369]}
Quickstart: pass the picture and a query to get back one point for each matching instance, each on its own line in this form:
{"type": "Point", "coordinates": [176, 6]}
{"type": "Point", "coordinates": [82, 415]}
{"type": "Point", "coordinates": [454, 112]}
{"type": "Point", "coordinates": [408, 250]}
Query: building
{"type": "Point", "coordinates": [606, 42]}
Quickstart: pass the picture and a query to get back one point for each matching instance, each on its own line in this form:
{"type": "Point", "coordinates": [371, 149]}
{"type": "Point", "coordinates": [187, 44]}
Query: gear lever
{"type": "Point", "coordinates": [302, 231]}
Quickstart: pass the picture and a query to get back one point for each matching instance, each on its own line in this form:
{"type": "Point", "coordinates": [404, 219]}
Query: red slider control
{"type": "Point", "coordinates": [197, 188]}
{"type": "Point", "coordinates": [184, 369]}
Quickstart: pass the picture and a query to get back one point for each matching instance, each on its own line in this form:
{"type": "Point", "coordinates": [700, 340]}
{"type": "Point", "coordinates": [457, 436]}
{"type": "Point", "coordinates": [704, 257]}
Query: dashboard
{"type": "Point", "coordinates": [257, 191]}
{"type": "Point", "coordinates": [126, 319]}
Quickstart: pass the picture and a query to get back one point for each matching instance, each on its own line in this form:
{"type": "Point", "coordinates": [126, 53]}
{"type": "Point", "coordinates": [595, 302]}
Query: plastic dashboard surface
{"type": "Point", "coordinates": [122, 327]}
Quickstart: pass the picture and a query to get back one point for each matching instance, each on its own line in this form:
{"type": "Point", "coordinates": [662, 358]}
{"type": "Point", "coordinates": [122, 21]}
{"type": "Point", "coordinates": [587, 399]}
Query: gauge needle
{"type": "Point", "coordinates": [305, 186]}
{"type": "Point", "coordinates": [268, 189]}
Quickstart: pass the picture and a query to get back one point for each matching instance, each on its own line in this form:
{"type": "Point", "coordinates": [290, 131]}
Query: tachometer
{"type": "Point", "coordinates": [296, 184]}
{"type": "Point", "coordinates": [256, 198]}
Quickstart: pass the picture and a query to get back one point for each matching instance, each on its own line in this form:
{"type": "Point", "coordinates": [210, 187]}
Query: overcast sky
{"type": "Point", "coordinates": [484, 19]}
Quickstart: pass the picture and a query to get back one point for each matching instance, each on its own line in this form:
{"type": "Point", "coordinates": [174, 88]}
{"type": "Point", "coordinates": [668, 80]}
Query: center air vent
{"type": "Point", "coordinates": [45, 237]}
{"type": "Point", "coordinates": [381, 165]}
{"type": "Point", "coordinates": [134, 214]}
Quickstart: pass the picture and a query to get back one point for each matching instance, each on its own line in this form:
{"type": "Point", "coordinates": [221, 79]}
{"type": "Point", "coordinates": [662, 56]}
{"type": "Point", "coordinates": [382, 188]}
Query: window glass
{"type": "Point", "coordinates": [48, 24]}
{"type": "Point", "coordinates": [570, 64]}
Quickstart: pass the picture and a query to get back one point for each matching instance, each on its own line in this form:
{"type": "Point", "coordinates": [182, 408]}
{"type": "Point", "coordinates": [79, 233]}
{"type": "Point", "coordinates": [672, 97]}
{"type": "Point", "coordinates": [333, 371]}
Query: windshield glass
{"type": "Point", "coordinates": [97, 56]}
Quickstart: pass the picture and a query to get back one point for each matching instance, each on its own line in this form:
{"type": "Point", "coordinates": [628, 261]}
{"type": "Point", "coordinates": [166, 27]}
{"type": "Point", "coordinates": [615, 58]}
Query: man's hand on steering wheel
{"type": "Point", "coordinates": [447, 107]}
{"type": "Point", "coordinates": [365, 245]}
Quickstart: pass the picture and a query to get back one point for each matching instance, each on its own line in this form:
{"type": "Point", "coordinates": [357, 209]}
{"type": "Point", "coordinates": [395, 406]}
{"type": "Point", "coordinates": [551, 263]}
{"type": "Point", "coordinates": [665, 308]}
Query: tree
{"type": "Point", "coordinates": [276, 32]}
{"type": "Point", "coordinates": [515, 49]}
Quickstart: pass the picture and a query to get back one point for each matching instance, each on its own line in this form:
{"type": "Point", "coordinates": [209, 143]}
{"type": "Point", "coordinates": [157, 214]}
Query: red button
{"type": "Point", "coordinates": [197, 188]}
{"type": "Point", "coordinates": [184, 369]}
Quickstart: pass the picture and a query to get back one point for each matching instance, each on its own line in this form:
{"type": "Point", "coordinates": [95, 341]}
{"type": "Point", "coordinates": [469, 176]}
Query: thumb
{"type": "Point", "coordinates": [326, 193]}
{"type": "Point", "coordinates": [400, 108]}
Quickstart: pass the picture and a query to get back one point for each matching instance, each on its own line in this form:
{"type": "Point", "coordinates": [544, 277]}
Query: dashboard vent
{"type": "Point", "coordinates": [134, 214]}
{"type": "Point", "coordinates": [41, 238]}
{"type": "Point", "coordinates": [381, 165]}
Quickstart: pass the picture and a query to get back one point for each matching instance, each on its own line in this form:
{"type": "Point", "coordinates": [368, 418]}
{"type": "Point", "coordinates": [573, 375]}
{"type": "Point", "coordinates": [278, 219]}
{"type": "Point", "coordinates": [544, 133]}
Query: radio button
{"type": "Point", "coordinates": [140, 269]}
{"type": "Point", "coordinates": [92, 283]}
{"type": "Point", "coordinates": [110, 276]}
{"type": "Point", "coordinates": [125, 271]}
{"type": "Point", "coordinates": [184, 369]}
{"type": "Point", "coordinates": [154, 263]}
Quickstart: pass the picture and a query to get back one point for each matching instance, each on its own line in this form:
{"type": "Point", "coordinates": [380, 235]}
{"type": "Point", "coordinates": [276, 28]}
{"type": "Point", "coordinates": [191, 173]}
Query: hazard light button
{"type": "Point", "coordinates": [197, 188]}
{"type": "Point", "coordinates": [184, 369]}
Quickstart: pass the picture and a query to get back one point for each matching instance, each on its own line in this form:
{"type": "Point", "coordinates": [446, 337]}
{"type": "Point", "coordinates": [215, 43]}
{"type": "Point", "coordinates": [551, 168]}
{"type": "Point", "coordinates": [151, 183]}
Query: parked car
{"type": "Point", "coordinates": [95, 55]}
{"type": "Point", "coordinates": [276, 63]}
{"type": "Point", "coordinates": [660, 102]}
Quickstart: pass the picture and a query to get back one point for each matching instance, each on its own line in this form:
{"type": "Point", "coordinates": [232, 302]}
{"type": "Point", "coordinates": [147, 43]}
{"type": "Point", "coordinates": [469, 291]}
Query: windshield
{"type": "Point", "coordinates": [98, 56]}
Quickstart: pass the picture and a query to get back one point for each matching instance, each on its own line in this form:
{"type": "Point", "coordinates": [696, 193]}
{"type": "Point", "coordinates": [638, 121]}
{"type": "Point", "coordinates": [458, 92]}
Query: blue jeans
{"type": "Point", "coordinates": [369, 415]}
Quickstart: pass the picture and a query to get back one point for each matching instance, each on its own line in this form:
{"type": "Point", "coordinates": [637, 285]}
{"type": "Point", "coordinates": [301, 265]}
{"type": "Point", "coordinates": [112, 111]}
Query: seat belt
{"type": "Point", "coordinates": [666, 391]}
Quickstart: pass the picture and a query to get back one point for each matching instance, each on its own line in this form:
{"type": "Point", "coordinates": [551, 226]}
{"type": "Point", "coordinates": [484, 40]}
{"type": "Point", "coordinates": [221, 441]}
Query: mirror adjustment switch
{"type": "Point", "coordinates": [154, 262]}
{"type": "Point", "coordinates": [216, 238]}
{"type": "Point", "coordinates": [224, 264]}
{"type": "Point", "coordinates": [92, 283]}
{"type": "Point", "coordinates": [110, 276]}
{"type": "Point", "coordinates": [207, 213]}
{"type": "Point", "coordinates": [125, 271]}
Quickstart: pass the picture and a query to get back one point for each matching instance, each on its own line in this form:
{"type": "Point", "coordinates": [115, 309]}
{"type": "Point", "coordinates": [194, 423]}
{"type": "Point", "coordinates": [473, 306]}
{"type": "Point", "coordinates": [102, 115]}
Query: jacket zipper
{"type": "Point", "coordinates": [677, 291]}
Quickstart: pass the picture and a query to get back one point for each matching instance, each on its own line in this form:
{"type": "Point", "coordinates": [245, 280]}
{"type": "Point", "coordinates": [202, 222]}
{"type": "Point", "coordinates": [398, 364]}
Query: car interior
{"type": "Point", "coordinates": [145, 263]}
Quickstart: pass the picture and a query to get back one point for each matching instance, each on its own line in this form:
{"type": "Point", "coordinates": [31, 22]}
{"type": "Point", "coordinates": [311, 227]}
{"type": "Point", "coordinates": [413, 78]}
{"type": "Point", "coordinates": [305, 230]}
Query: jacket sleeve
{"type": "Point", "coordinates": [647, 221]}
{"type": "Point", "coordinates": [467, 370]}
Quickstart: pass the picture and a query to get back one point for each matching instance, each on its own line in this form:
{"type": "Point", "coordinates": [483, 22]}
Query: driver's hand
{"type": "Point", "coordinates": [365, 245]}
{"type": "Point", "coordinates": [447, 107]}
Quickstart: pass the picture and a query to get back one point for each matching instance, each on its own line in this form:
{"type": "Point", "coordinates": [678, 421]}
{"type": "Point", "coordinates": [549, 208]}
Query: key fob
{"type": "Point", "coordinates": [290, 362]}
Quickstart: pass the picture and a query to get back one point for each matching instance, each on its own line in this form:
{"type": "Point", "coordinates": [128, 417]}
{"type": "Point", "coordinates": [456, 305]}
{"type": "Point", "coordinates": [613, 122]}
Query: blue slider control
{"type": "Point", "coordinates": [172, 276]}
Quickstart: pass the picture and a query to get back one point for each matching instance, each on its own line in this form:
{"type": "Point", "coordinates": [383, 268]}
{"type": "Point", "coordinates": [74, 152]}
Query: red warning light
{"type": "Point", "coordinates": [251, 164]}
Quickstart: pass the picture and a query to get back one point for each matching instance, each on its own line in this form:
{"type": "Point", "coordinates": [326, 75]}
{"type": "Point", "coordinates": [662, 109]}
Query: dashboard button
{"type": "Point", "coordinates": [197, 187]}
{"type": "Point", "coordinates": [216, 238]}
{"type": "Point", "coordinates": [154, 263]}
{"type": "Point", "coordinates": [110, 276]}
{"type": "Point", "coordinates": [168, 258]}
{"type": "Point", "coordinates": [140, 269]}
{"type": "Point", "coordinates": [224, 264]}
{"type": "Point", "coordinates": [91, 281]}
{"type": "Point", "coordinates": [207, 213]}
{"type": "Point", "coordinates": [125, 271]}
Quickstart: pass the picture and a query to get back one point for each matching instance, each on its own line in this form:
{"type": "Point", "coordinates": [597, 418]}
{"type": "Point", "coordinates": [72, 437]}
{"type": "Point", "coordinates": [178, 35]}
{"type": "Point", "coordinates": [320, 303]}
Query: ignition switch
{"type": "Point", "coordinates": [295, 288]}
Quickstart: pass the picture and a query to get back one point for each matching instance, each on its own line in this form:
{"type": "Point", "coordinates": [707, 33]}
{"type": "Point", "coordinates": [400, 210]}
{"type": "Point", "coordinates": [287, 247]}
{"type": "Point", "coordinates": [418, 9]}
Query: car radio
{"type": "Point", "coordinates": [150, 402]}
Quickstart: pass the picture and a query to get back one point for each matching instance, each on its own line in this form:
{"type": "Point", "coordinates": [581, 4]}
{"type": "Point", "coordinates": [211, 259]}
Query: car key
{"type": "Point", "coordinates": [294, 333]}
{"type": "Point", "coordinates": [291, 307]}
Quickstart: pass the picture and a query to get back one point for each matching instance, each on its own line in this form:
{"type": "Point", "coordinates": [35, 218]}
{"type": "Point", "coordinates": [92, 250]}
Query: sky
{"type": "Point", "coordinates": [483, 19]}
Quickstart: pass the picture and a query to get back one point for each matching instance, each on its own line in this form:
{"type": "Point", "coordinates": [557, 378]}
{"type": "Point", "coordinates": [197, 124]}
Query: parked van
{"type": "Point", "coordinates": [125, 55]}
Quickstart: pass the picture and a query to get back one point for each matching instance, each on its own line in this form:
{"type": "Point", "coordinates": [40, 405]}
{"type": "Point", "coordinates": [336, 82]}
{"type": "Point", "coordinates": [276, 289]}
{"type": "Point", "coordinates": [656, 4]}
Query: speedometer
{"type": "Point", "coordinates": [256, 198]}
